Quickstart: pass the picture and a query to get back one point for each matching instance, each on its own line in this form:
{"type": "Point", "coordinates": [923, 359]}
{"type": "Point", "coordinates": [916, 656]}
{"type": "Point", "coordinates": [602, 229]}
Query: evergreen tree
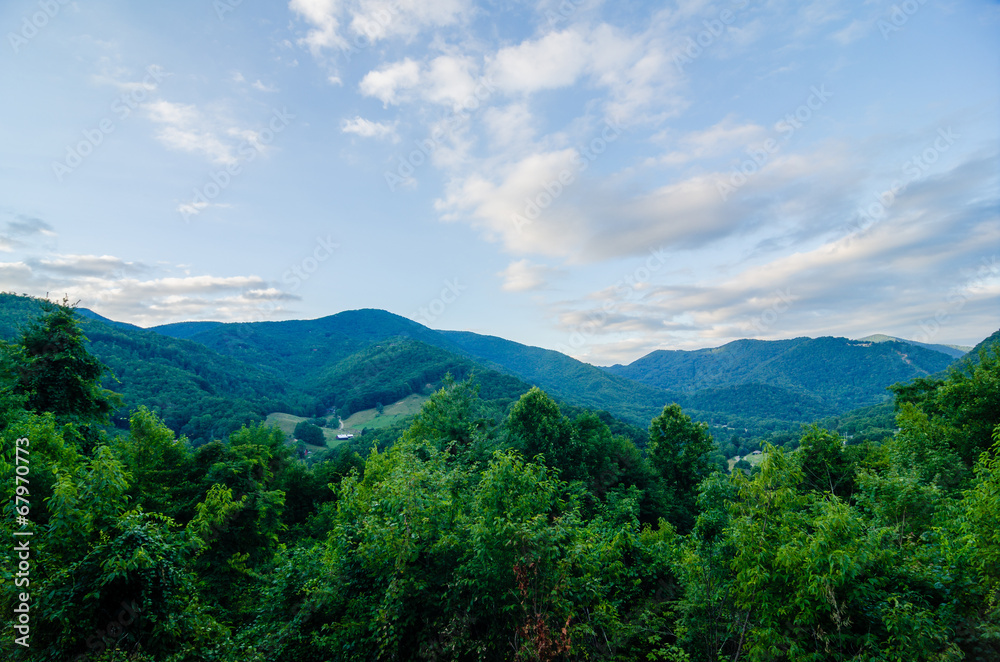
{"type": "Point", "coordinates": [678, 451]}
{"type": "Point", "coordinates": [57, 373]}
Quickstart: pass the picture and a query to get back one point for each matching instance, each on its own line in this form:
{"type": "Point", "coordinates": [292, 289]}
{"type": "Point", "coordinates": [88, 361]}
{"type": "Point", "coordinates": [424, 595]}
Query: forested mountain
{"type": "Point", "coordinates": [196, 391]}
{"type": "Point", "coordinates": [300, 348]}
{"type": "Point", "coordinates": [954, 351]}
{"type": "Point", "coordinates": [489, 531]}
{"type": "Point", "coordinates": [987, 343]}
{"type": "Point", "coordinates": [761, 388]}
{"type": "Point", "coordinates": [565, 377]}
{"type": "Point", "coordinates": [837, 374]}
{"type": "Point", "coordinates": [208, 378]}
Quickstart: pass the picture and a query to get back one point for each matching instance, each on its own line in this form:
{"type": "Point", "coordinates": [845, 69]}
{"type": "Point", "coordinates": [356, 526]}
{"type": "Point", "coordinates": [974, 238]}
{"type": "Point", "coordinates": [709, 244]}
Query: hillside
{"type": "Point", "coordinates": [838, 374]}
{"type": "Point", "coordinates": [329, 356]}
{"type": "Point", "coordinates": [483, 518]}
{"type": "Point", "coordinates": [565, 377]}
{"type": "Point", "coordinates": [990, 344]}
{"type": "Point", "coordinates": [298, 348]}
{"type": "Point", "coordinates": [208, 378]}
{"type": "Point", "coordinates": [954, 351]}
{"type": "Point", "coordinates": [198, 393]}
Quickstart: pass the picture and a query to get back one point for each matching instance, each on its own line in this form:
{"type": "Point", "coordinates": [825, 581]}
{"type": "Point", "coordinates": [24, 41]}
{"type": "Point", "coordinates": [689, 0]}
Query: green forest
{"type": "Point", "coordinates": [491, 528]}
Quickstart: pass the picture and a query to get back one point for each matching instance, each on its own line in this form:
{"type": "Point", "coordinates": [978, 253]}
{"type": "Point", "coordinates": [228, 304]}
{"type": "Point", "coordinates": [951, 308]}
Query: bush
{"type": "Point", "coordinates": [309, 433]}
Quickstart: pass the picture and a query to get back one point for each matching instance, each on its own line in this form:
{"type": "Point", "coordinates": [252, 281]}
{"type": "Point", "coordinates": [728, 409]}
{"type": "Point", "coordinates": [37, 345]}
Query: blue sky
{"type": "Point", "coordinates": [600, 178]}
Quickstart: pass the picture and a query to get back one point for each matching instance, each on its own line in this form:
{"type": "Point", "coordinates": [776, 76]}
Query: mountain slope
{"type": "Point", "coordinates": [299, 348]}
{"type": "Point", "coordinates": [565, 377]}
{"type": "Point", "coordinates": [197, 392]}
{"type": "Point", "coordinates": [954, 351]}
{"type": "Point", "coordinates": [688, 371]}
{"type": "Point", "coordinates": [992, 343]}
{"type": "Point", "coordinates": [842, 374]}
{"type": "Point", "coordinates": [395, 368]}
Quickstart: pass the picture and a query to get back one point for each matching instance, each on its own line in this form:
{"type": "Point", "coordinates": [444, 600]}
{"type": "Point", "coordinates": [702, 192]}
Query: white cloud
{"type": "Point", "coordinates": [369, 21]}
{"type": "Point", "coordinates": [322, 15]}
{"type": "Point", "coordinates": [128, 80]}
{"type": "Point", "coordinates": [511, 127]}
{"type": "Point", "coordinates": [186, 129]}
{"type": "Point", "coordinates": [261, 87]}
{"type": "Point", "coordinates": [132, 292]}
{"type": "Point", "coordinates": [510, 212]}
{"type": "Point", "coordinates": [896, 277]}
{"type": "Point", "coordinates": [450, 80]}
{"type": "Point", "coordinates": [85, 265]}
{"type": "Point", "coordinates": [725, 137]}
{"type": "Point", "coordinates": [369, 129]}
{"type": "Point", "coordinates": [386, 83]}
{"type": "Point", "coordinates": [522, 276]}
{"type": "Point", "coordinates": [852, 32]}
{"type": "Point", "coordinates": [556, 60]}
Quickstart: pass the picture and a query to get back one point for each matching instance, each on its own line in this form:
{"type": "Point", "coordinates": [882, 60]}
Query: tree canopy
{"type": "Point", "coordinates": [500, 531]}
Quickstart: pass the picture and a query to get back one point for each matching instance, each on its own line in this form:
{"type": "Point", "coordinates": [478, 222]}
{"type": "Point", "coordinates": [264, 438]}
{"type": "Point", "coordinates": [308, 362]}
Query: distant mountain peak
{"type": "Point", "coordinates": [956, 351]}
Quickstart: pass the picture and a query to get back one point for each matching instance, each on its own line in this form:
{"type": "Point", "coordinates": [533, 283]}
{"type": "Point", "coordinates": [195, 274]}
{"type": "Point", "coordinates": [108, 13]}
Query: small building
{"type": "Point", "coordinates": [344, 437]}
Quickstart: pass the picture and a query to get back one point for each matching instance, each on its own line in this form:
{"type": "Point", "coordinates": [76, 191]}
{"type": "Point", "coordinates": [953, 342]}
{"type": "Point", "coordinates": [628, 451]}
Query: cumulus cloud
{"type": "Point", "coordinates": [142, 294]}
{"type": "Point", "coordinates": [368, 129]}
{"type": "Point", "coordinates": [322, 16]}
{"type": "Point", "coordinates": [350, 24]}
{"type": "Point", "coordinates": [387, 83]}
{"type": "Point", "coordinates": [556, 60]}
{"type": "Point", "coordinates": [526, 207]}
{"type": "Point", "coordinates": [882, 278]}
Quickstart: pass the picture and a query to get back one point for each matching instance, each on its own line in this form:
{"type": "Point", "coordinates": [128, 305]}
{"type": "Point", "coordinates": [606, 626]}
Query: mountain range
{"type": "Point", "coordinates": [208, 378]}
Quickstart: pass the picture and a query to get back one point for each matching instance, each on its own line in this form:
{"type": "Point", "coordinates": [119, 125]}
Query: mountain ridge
{"type": "Point", "coordinates": [360, 357]}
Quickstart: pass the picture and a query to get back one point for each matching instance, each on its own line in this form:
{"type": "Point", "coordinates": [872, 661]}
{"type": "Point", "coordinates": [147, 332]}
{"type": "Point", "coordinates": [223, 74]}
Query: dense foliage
{"type": "Point", "coordinates": [506, 530]}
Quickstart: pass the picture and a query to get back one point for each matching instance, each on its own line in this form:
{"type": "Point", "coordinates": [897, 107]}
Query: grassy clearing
{"type": "Point", "coordinates": [754, 460]}
{"type": "Point", "coordinates": [392, 414]}
{"type": "Point", "coordinates": [369, 418]}
{"type": "Point", "coordinates": [287, 422]}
